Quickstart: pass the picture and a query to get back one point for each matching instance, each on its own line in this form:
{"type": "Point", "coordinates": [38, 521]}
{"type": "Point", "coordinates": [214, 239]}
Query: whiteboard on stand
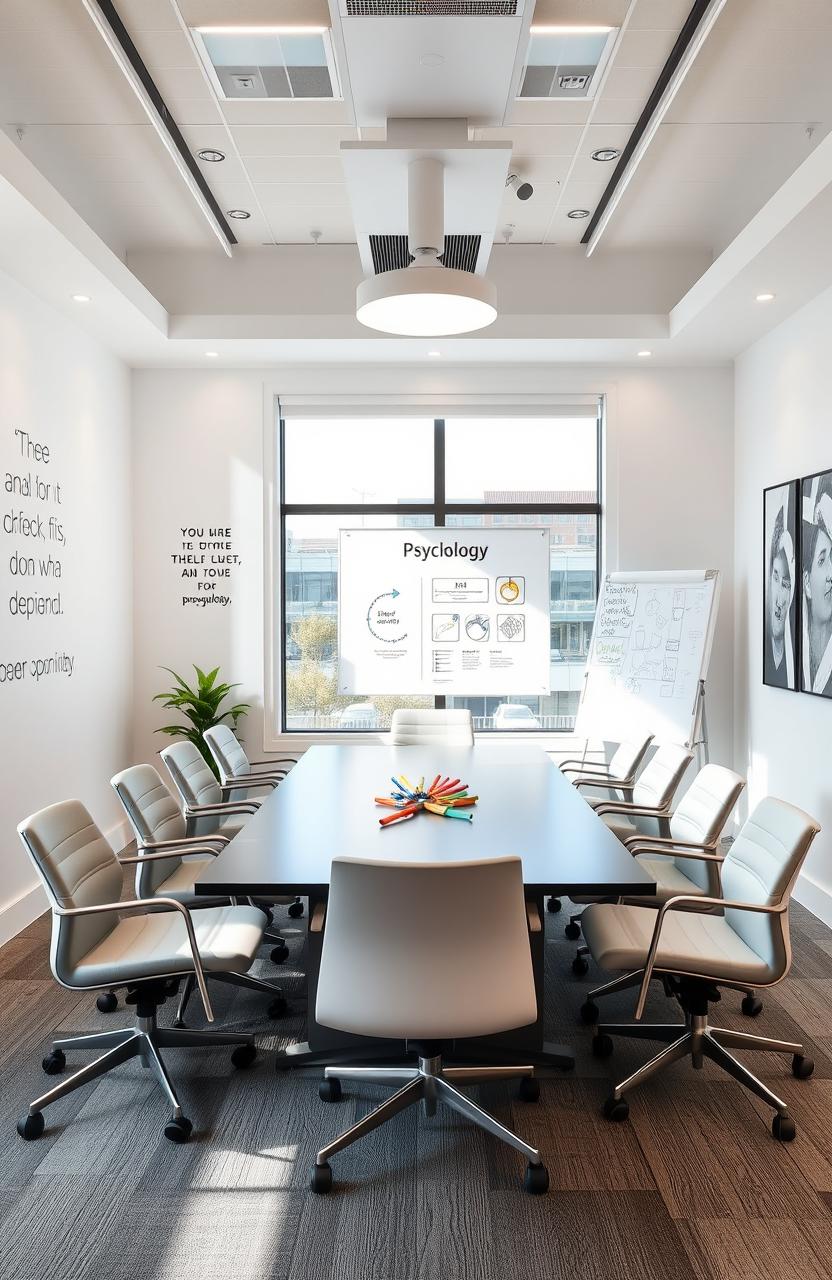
{"type": "Point", "coordinates": [650, 649]}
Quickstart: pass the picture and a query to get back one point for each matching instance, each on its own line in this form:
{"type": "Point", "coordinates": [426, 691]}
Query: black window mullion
{"type": "Point", "coordinates": [439, 699]}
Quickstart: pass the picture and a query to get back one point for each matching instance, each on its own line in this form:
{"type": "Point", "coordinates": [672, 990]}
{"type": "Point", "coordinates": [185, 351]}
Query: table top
{"type": "Point", "coordinates": [324, 809]}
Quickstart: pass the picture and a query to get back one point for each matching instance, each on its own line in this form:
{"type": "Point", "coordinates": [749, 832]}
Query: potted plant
{"type": "Point", "coordinates": [201, 708]}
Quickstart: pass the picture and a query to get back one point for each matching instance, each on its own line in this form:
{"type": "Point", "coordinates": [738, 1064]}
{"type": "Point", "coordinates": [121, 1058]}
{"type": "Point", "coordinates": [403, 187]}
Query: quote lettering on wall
{"type": "Point", "coordinates": [205, 564]}
{"type": "Point", "coordinates": [34, 543]}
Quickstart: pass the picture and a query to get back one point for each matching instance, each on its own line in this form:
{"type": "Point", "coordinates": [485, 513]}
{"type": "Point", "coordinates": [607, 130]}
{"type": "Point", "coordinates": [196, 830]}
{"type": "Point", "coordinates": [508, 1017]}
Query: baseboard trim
{"type": "Point", "coordinates": [814, 897]}
{"type": "Point", "coordinates": [23, 910]}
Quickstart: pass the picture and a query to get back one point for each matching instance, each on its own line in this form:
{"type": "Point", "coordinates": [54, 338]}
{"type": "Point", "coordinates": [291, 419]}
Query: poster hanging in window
{"type": "Point", "coordinates": [444, 611]}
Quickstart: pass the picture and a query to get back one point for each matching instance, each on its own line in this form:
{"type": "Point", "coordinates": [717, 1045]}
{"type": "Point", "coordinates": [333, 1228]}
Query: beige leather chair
{"type": "Point", "coordinates": [236, 770]}
{"type": "Point", "coordinates": [427, 953]}
{"type": "Point", "coordinates": [697, 951]}
{"type": "Point", "coordinates": [687, 858]}
{"type": "Point", "coordinates": [161, 870]}
{"type": "Point", "coordinates": [417, 728]}
{"type": "Point", "coordinates": [146, 944]}
{"type": "Point", "coordinates": [619, 775]}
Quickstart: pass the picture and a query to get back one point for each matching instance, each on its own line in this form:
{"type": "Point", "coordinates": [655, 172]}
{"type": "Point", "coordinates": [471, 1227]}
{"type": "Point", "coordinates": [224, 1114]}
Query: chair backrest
{"type": "Point", "coordinates": [154, 815]}
{"type": "Point", "coordinates": [761, 867]}
{"type": "Point", "coordinates": [427, 951]}
{"type": "Point", "coordinates": [195, 782]}
{"type": "Point", "coordinates": [628, 755]}
{"type": "Point", "coordinates": [453, 728]}
{"type": "Point", "coordinates": [701, 816]}
{"type": "Point", "coordinates": [78, 869]}
{"type": "Point", "coordinates": [228, 753]}
{"type": "Point", "coordinates": [657, 784]}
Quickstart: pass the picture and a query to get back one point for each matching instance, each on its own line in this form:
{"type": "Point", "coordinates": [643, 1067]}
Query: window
{"type": "Point", "coordinates": [410, 472]}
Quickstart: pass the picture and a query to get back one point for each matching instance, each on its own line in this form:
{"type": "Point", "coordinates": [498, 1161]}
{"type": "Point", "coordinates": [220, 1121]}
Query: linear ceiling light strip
{"type": "Point", "coordinates": [117, 39]}
{"type": "Point", "coordinates": [693, 35]}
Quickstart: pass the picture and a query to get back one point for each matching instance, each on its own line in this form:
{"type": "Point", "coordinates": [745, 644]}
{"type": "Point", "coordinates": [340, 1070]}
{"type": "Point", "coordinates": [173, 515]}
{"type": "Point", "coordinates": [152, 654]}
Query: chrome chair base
{"type": "Point", "coordinates": [278, 1007]}
{"type": "Point", "coordinates": [751, 1004]}
{"type": "Point", "coordinates": [144, 1041]}
{"type": "Point", "coordinates": [429, 1083]}
{"type": "Point", "coordinates": [697, 1039]}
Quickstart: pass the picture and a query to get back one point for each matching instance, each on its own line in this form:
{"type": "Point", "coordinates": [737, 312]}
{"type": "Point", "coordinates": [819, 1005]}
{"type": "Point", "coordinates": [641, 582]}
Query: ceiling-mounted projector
{"type": "Point", "coordinates": [426, 299]}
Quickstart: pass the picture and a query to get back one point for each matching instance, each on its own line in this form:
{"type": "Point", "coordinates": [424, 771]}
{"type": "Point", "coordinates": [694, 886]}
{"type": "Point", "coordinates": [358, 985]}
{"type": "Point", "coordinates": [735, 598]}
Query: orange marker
{"type": "Point", "coordinates": [401, 813]}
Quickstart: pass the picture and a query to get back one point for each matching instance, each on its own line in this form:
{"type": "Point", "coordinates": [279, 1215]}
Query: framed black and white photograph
{"type": "Point", "coordinates": [816, 584]}
{"type": "Point", "coordinates": [780, 633]}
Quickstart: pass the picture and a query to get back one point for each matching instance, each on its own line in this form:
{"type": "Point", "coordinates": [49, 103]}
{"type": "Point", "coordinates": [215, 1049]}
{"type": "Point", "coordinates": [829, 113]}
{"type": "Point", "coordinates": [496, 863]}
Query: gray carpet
{"type": "Point", "coordinates": [691, 1186]}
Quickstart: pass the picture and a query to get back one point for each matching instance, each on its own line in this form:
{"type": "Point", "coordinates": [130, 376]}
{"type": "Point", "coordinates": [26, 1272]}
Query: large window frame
{"type": "Point", "coordinates": [438, 510]}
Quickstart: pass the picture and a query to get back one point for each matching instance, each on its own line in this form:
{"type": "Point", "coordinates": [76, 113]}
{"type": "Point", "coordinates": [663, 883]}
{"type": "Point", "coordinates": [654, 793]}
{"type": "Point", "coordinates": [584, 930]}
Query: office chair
{"type": "Point", "coordinates": [686, 858]}
{"type": "Point", "coordinates": [698, 952]}
{"type": "Point", "coordinates": [203, 806]}
{"type": "Point", "coordinates": [236, 770]}
{"type": "Point", "coordinates": [146, 944]}
{"type": "Point", "coordinates": [162, 846]}
{"type": "Point", "coordinates": [619, 775]}
{"type": "Point", "coordinates": [441, 728]}
{"type": "Point", "coordinates": [426, 953]}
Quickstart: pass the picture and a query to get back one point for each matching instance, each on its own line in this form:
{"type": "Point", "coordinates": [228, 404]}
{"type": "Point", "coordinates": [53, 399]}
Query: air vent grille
{"type": "Point", "coordinates": [431, 8]}
{"type": "Point", "coordinates": [390, 253]}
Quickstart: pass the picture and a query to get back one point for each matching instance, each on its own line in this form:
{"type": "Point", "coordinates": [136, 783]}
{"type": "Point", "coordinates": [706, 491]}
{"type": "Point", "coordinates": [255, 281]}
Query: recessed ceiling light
{"type": "Point", "coordinates": [644, 354]}
{"type": "Point", "coordinates": [240, 214]}
{"type": "Point", "coordinates": [565, 29]}
{"type": "Point", "coordinates": [606, 153]}
{"type": "Point", "coordinates": [81, 297]}
{"type": "Point", "coordinates": [766, 297]}
{"type": "Point", "coordinates": [435, 355]}
{"type": "Point", "coordinates": [578, 213]}
{"type": "Point", "coordinates": [212, 157]}
{"type": "Point", "coordinates": [211, 355]}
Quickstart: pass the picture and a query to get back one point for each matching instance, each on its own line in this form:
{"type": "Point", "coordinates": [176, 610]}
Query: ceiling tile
{"type": "Point", "coordinates": [645, 48]}
{"type": "Point", "coordinates": [277, 140]}
{"type": "Point", "coordinates": [660, 14]}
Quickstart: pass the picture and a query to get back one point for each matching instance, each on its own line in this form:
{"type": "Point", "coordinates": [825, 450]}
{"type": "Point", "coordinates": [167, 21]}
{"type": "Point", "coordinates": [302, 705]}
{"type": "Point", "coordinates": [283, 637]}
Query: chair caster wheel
{"type": "Point", "coordinates": [268, 912]}
{"type": "Point", "coordinates": [281, 1062]}
{"type": "Point", "coordinates": [802, 1067]}
{"type": "Point", "coordinates": [602, 1045]}
{"type": "Point", "coordinates": [31, 1126]}
{"type": "Point", "coordinates": [616, 1108]}
{"type": "Point", "coordinates": [529, 1090]}
{"type": "Point", "coordinates": [329, 1090]}
{"type": "Point", "coordinates": [296, 911]}
{"type": "Point", "coordinates": [554, 905]}
{"type": "Point", "coordinates": [752, 1006]}
{"type": "Point", "coordinates": [580, 966]}
{"type": "Point", "coordinates": [321, 1180]}
{"type": "Point", "coordinates": [572, 931]}
{"type": "Point", "coordinates": [279, 954]}
{"type": "Point", "coordinates": [178, 1129]}
{"type": "Point", "coordinates": [179, 1023]}
{"type": "Point", "coordinates": [783, 1128]}
{"type": "Point", "coordinates": [589, 1012]}
{"type": "Point", "coordinates": [278, 1008]}
{"type": "Point", "coordinates": [54, 1062]}
{"type": "Point", "coordinates": [536, 1179]}
{"type": "Point", "coordinates": [243, 1055]}
{"type": "Point", "coordinates": [107, 1002]}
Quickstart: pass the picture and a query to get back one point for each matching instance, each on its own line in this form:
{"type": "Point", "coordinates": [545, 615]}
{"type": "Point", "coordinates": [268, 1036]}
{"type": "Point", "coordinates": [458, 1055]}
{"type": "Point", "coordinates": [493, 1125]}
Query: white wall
{"type": "Point", "coordinates": [782, 431]}
{"type": "Point", "coordinates": [64, 734]}
{"type": "Point", "coordinates": [198, 445]}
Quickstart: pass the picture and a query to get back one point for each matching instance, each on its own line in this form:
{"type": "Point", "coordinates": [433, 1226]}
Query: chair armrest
{"type": "Point", "coordinates": [139, 906]}
{"type": "Point", "coordinates": [533, 917]}
{"type": "Point", "coordinates": [240, 785]}
{"type": "Point", "coordinates": [681, 853]}
{"type": "Point", "coordinates": [665, 844]}
{"type": "Point", "coordinates": [184, 844]}
{"type": "Point", "coordinates": [686, 900]}
{"type": "Point", "coordinates": [222, 809]}
{"type": "Point", "coordinates": [584, 766]}
{"type": "Point", "coordinates": [279, 760]}
{"type": "Point", "coordinates": [614, 784]}
{"type": "Point", "coordinates": [577, 760]}
{"type": "Point", "coordinates": [316, 922]}
{"type": "Point", "coordinates": [159, 855]}
{"type": "Point", "coordinates": [636, 810]}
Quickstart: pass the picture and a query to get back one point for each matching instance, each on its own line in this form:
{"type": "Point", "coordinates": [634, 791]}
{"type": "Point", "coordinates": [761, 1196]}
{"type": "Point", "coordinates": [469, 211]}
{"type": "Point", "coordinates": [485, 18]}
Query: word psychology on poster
{"type": "Point", "coordinates": [443, 610]}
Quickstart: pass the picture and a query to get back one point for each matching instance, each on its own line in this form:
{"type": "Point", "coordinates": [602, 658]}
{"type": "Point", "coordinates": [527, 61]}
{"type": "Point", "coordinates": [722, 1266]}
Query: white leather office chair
{"type": "Point", "coordinates": [236, 770]}
{"type": "Point", "coordinates": [686, 858]}
{"type": "Point", "coordinates": [427, 953]}
{"type": "Point", "coordinates": [146, 944]}
{"type": "Point", "coordinates": [697, 951]}
{"type": "Point", "coordinates": [161, 869]}
{"type": "Point", "coordinates": [417, 728]}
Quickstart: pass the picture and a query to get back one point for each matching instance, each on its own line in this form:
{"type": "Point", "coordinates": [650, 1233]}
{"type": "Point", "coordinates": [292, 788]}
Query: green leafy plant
{"type": "Point", "coordinates": [200, 707]}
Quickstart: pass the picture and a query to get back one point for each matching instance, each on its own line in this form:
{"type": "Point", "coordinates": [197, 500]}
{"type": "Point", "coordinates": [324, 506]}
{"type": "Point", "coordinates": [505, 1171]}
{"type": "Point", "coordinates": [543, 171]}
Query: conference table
{"type": "Point", "coordinates": [325, 808]}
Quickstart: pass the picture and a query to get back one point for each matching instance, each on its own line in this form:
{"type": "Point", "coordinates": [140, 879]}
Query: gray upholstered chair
{"type": "Point", "coordinates": [697, 951]}
{"type": "Point", "coordinates": [162, 870]}
{"type": "Point", "coordinates": [686, 859]}
{"type": "Point", "coordinates": [417, 728]}
{"type": "Point", "coordinates": [236, 770]}
{"type": "Point", "coordinates": [619, 775]}
{"type": "Point", "coordinates": [428, 953]}
{"type": "Point", "coordinates": [147, 945]}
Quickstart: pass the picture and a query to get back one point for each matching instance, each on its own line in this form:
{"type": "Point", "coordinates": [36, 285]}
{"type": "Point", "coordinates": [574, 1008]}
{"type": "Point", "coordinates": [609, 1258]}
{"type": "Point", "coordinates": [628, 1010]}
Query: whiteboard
{"type": "Point", "coordinates": [445, 610]}
{"type": "Point", "coordinates": [650, 648]}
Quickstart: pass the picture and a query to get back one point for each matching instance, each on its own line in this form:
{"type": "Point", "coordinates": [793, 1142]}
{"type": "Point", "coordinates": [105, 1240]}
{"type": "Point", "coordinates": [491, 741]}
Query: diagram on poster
{"type": "Point", "coordinates": [479, 625]}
